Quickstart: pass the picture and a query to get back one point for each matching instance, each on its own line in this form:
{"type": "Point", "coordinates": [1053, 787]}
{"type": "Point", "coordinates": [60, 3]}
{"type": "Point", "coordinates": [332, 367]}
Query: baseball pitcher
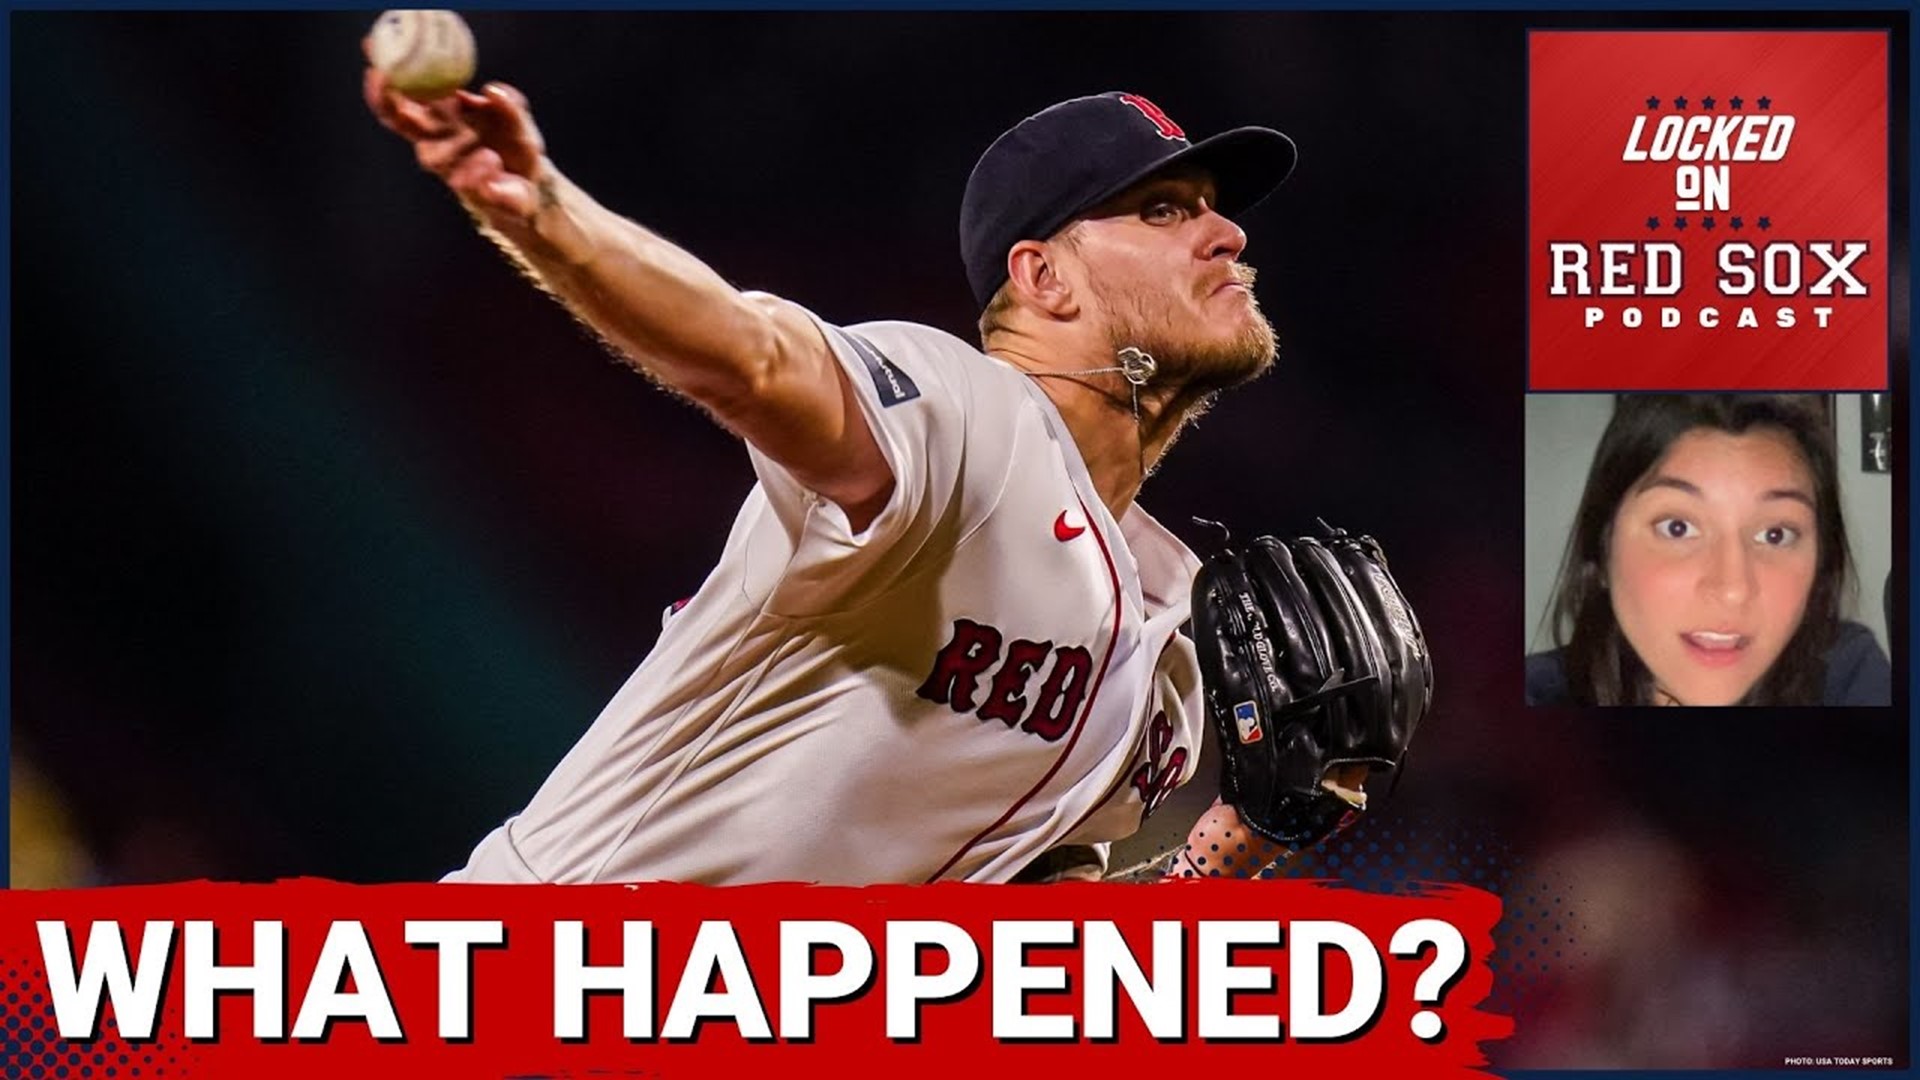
{"type": "Point", "coordinates": [943, 642]}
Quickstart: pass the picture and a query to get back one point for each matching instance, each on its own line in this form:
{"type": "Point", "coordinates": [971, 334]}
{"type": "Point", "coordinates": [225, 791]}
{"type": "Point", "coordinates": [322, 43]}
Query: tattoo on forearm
{"type": "Point", "coordinates": [549, 196]}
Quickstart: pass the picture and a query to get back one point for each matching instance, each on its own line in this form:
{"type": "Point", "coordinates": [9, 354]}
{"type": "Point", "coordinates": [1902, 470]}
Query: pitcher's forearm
{"type": "Point", "coordinates": [669, 313]}
{"type": "Point", "coordinates": [1221, 845]}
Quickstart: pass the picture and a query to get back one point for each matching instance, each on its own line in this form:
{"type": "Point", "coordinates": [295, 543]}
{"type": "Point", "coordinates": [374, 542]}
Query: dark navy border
{"type": "Point", "coordinates": [1702, 7]}
{"type": "Point", "coordinates": [6, 448]}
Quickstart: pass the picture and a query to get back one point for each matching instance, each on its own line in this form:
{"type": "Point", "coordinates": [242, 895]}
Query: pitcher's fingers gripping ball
{"type": "Point", "coordinates": [424, 54]}
{"type": "Point", "coordinates": [484, 146]}
{"type": "Point", "coordinates": [1316, 676]}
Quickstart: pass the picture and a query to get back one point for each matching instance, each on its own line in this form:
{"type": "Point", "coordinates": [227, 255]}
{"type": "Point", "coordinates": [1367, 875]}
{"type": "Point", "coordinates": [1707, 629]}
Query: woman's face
{"type": "Point", "coordinates": [1710, 561]}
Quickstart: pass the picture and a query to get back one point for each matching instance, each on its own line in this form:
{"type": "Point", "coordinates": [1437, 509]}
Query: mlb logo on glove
{"type": "Point", "coordinates": [1246, 717]}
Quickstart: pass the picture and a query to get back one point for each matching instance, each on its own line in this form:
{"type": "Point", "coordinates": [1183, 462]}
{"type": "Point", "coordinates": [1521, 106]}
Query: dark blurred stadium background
{"type": "Point", "coordinates": [330, 534]}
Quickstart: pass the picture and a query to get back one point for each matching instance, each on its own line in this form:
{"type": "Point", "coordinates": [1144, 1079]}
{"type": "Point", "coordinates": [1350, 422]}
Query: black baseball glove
{"type": "Point", "coordinates": [1315, 676]}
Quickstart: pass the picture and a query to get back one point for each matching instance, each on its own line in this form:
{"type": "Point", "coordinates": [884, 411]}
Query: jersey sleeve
{"type": "Point", "coordinates": [917, 388]}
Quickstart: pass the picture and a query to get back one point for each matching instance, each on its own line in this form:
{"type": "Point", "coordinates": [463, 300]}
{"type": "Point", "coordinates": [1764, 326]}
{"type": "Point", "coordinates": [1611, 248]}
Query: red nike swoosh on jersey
{"type": "Point", "coordinates": [1064, 532]}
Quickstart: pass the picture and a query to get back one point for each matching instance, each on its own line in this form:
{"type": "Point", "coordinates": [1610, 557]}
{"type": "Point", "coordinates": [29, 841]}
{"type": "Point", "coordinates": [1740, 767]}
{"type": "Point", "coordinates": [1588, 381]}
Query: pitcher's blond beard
{"type": "Point", "coordinates": [1203, 369]}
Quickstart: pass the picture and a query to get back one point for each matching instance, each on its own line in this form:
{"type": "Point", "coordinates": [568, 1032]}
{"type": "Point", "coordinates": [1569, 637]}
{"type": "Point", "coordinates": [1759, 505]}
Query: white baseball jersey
{"type": "Point", "coordinates": [991, 669]}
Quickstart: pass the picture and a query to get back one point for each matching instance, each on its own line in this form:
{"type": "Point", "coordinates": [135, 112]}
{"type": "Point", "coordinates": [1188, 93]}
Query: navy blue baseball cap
{"type": "Point", "coordinates": [1067, 159]}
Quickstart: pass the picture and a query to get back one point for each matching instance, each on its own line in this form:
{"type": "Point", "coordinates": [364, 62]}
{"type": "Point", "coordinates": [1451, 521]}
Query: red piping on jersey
{"type": "Point", "coordinates": [1093, 695]}
{"type": "Point", "coordinates": [1146, 737]}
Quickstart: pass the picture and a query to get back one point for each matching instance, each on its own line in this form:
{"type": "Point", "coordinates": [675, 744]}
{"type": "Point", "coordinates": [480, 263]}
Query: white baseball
{"type": "Point", "coordinates": [425, 54]}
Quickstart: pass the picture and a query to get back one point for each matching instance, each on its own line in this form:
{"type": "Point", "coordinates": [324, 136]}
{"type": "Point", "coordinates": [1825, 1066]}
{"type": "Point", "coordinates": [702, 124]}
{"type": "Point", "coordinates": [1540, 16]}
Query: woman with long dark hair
{"type": "Point", "coordinates": [1708, 564]}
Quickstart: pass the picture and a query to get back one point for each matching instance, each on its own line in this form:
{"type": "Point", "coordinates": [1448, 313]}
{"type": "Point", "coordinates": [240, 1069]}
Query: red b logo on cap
{"type": "Point", "coordinates": [1168, 129]}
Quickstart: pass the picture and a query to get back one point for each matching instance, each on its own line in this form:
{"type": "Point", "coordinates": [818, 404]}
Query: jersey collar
{"type": "Point", "coordinates": [1155, 568]}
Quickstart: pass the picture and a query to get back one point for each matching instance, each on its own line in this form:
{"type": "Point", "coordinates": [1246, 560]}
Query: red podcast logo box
{"type": "Point", "coordinates": [1707, 210]}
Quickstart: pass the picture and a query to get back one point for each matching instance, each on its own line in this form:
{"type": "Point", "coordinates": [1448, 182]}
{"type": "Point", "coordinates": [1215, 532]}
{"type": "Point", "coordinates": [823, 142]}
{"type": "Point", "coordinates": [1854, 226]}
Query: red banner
{"type": "Point", "coordinates": [1708, 210]}
{"type": "Point", "coordinates": [311, 978]}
